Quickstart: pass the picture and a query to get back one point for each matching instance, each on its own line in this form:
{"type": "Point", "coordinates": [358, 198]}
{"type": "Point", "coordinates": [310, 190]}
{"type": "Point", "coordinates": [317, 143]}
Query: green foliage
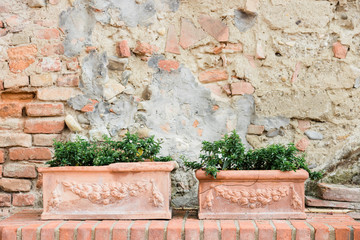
{"type": "Point", "coordinates": [229, 153]}
{"type": "Point", "coordinates": [84, 153]}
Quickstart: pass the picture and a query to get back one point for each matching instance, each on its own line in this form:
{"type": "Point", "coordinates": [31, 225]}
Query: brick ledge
{"type": "Point", "coordinates": [184, 225]}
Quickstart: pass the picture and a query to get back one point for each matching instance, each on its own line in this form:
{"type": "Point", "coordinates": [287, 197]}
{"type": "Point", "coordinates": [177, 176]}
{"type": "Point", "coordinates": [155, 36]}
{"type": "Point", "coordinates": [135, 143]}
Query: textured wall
{"type": "Point", "coordinates": [185, 71]}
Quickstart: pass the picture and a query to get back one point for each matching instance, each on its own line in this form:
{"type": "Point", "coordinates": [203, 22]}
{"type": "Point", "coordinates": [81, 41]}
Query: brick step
{"type": "Point", "coordinates": [27, 225]}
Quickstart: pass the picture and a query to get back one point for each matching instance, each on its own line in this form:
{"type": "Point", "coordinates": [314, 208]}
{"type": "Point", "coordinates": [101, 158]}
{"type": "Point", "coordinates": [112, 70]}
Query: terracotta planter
{"type": "Point", "coordinates": [252, 194]}
{"type": "Point", "coordinates": [140, 190]}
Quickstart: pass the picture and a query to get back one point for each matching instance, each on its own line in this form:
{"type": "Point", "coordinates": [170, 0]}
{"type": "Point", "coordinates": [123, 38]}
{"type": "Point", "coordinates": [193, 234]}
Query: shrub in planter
{"type": "Point", "coordinates": [263, 183]}
{"type": "Point", "coordinates": [107, 180]}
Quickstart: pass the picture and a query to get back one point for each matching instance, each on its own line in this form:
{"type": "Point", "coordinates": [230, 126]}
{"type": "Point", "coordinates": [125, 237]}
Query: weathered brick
{"type": "Point", "coordinates": [304, 125]}
{"type": "Point", "coordinates": [144, 49]}
{"type": "Point", "coordinates": [49, 64]}
{"type": "Point", "coordinates": [68, 80]}
{"type": "Point", "coordinates": [168, 65]}
{"type": "Point", "coordinates": [172, 44]}
{"type": "Point", "coordinates": [51, 33]}
{"type": "Point", "coordinates": [303, 231]}
{"type": "Point", "coordinates": [17, 96]}
{"type": "Point", "coordinates": [339, 192]}
{"type": "Point", "coordinates": [19, 171]}
{"type": "Point", "coordinates": [138, 230]}
{"type": "Point", "coordinates": [156, 230]}
{"type": "Point", "coordinates": [3, 32]}
{"type": "Point", "coordinates": [174, 229]}
{"type": "Point", "coordinates": [42, 80]}
{"type": "Point", "coordinates": [5, 200]}
{"type": "Point", "coordinates": [192, 229]}
{"type": "Point", "coordinates": [189, 34]}
{"type": "Point", "coordinates": [16, 81]}
{"type": "Point", "coordinates": [259, 51]}
{"type": "Point", "coordinates": [215, 27]}
{"type": "Point", "coordinates": [211, 229]}
{"type": "Point", "coordinates": [90, 106]}
{"type": "Point", "coordinates": [251, 6]}
{"type": "Point", "coordinates": [72, 64]}
{"type": "Point", "coordinates": [18, 139]}
{"type": "Point", "coordinates": [11, 109]}
{"type": "Point", "coordinates": [44, 125]}
{"type": "Point", "coordinates": [283, 230]}
{"type": "Point", "coordinates": [57, 93]}
{"type": "Point", "coordinates": [121, 230]}
{"type": "Point", "coordinates": [266, 231]}
{"type": "Point", "coordinates": [315, 202]}
{"type": "Point", "coordinates": [241, 88]}
{"type": "Point", "coordinates": [339, 50]}
{"type": "Point", "coordinates": [44, 109]}
{"type": "Point", "coordinates": [2, 155]}
{"type": "Point", "coordinates": [1, 85]}
{"type": "Point", "coordinates": [302, 144]}
{"type": "Point", "coordinates": [255, 129]}
{"type": "Point", "coordinates": [21, 57]}
{"type": "Point", "coordinates": [22, 200]}
{"type": "Point", "coordinates": [15, 185]}
{"type": "Point", "coordinates": [122, 49]}
{"type": "Point", "coordinates": [247, 230]}
{"type": "Point", "coordinates": [52, 49]}
{"type": "Point", "coordinates": [213, 76]}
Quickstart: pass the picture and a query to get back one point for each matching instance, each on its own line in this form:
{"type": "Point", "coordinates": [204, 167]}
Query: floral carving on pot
{"type": "Point", "coordinates": [109, 193]}
{"type": "Point", "coordinates": [252, 198]}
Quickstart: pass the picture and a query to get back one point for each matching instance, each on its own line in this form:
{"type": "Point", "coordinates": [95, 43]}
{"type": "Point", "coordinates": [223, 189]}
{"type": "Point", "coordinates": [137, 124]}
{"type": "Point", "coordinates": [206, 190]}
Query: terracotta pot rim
{"type": "Point", "coordinates": [117, 167]}
{"type": "Point", "coordinates": [300, 174]}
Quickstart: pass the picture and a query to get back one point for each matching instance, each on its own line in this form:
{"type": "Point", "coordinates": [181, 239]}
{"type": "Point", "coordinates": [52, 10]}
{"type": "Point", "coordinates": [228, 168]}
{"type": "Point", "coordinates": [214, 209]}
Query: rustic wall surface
{"type": "Point", "coordinates": [185, 71]}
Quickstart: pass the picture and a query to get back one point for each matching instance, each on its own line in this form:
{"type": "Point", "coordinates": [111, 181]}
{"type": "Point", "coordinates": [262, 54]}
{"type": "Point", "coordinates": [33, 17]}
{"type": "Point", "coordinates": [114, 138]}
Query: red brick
{"type": "Point", "coordinates": [49, 64]}
{"type": "Point", "coordinates": [192, 229]}
{"type": "Point", "coordinates": [44, 125]}
{"type": "Point", "coordinates": [215, 27]}
{"type": "Point", "coordinates": [102, 230]}
{"type": "Point", "coordinates": [50, 33]}
{"type": "Point", "coordinates": [48, 231]}
{"type": "Point", "coordinates": [228, 229]}
{"type": "Point", "coordinates": [2, 155]}
{"type": "Point", "coordinates": [247, 230]}
{"type": "Point", "coordinates": [144, 49]}
{"type": "Point", "coordinates": [302, 144]}
{"type": "Point", "coordinates": [11, 109]}
{"type": "Point", "coordinates": [5, 200]}
{"type": "Point", "coordinates": [255, 129]}
{"type": "Point", "coordinates": [22, 200]}
{"type": "Point", "coordinates": [304, 125]}
{"type": "Point", "coordinates": [15, 81]}
{"type": "Point", "coordinates": [315, 202]}
{"type": "Point", "coordinates": [45, 139]}
{"type": "Point", "coordinates": [338, 192]}
{"type": "Point", "coordinates": [19, 139]}
{"type": "Point", "coordinates": [72, 64]}
{"type": "Point", "coordinates": [21, 57]}
{"type": "Point", "coordinates": [233, 47]}
{"type": "Point", "coordinates": [283, 230]}
{"type": "Point", "coordinates": [339, 50]}
{"type": "Point", "coordinates": [67, 231]}
{"type": "Point", "coordinates": [68, 80]}
{"type": "Point", "coordinates": [42, 80]}
{"type": "Point", "coordinates": [52, 49]}
{"type": "Point", "coordinates": [157, 230]}
{"type": "Point", "coordinates": [341, 232]}
{"type": "Point", "coordinates": [189, 34]}
{"type": "Point", "coordinates": [44, 109]}
{"type": "Point", "coordinates": [35, 153]}
{"type": "Point", "coordinates": [241, 88]}
{"type": "Point", "coordinates": [90, 49]}
{"type": "Point", "coordinates": [39, 181]}
{"type": "Point", "coordinates": [211, 230]}
{"type": "Point", "coordinates": [29, 232]}
{"type": "Point", "coordinates": [19, 171]}
{"type": "Point", "coordinates": [121, 230]}
{"type": "Point", "coordinates": [303, 231]}
{"type": "Point", "coordinates": [15, 185]}
{"type": "Point", "coordinates": [90, 106]}
{"type": "Point", "coordinates": [213, 76]}
{"type": "Point", "coordinates": [84, 231]}
{"type": "Point", "coordinates": [174, 229]}
{"type": "Point", "coordinates": [1, 85]}
{"type": "Point", "coordinates": [17, 96]}
{"type": "Point", "coordinates": [122, 49]}
{"type": "Point", "coordinates": [266, 231]}
{"type": "Point", "coordinates": [57, 93]}
{"type": "Point", "coordinates": [10, 232]}
{"type": "Point", "coordinates": [172, 44]}
{"type": "Point", "coordinates": [322, 231]}
{"type": "Point", "coordinates": [138, 230]}
{"type": "Point", "coordinates": [168, 65]}
{"type": "Point", "coordinates": [356, 232]}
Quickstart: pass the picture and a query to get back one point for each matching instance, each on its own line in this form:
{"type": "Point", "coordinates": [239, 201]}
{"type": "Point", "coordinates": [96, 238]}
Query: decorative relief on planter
{"type": "Point", "coordinates": [252, 198]}
{"type": "Point", "coordinates": [109, 193]}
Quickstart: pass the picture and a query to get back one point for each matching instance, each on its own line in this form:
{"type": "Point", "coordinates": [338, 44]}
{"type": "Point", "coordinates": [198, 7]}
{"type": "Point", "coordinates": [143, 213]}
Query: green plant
{"type": "Point", "coordinates": [229, 153]}
{"type": "Point", "coordinates": [84, 153]}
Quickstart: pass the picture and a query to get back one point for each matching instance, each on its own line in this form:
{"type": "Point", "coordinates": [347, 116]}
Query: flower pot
{"type": "Point", "coordinates": [252, 194]}
{"type": "Point", "coordinates": [139, 190]}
